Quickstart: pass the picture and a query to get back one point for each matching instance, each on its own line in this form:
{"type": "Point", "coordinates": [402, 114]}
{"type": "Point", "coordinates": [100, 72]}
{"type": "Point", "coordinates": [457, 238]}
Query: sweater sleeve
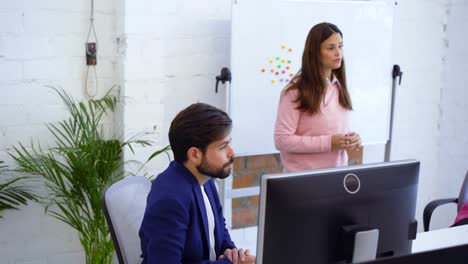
{"type": "Point", "coordinates": [287, 121]}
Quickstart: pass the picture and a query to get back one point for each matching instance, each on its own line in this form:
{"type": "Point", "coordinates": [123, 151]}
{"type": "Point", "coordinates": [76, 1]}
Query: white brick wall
{"type": "Point", "coordinates": [41, 44]}
{"type": "Point", "coordinates": [453, 123]}
{"type": "Point", "coordinates": [173, 51]}
{"type": "Point", "coordinates": [11, 70]}
{"type": "Point", "coordinates": [430, 118]}
{"type": "Point", "coordinates": [418, 49]}
{"type": "Point", "coordinates": [11, 21]}
{"type": "Point", "coordinates": [37, 239]}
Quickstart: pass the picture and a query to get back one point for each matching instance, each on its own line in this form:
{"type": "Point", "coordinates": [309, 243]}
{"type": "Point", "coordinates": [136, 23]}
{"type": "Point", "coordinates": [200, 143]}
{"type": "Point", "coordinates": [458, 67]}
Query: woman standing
{"type": "Point", "coordinates": [312, 124]}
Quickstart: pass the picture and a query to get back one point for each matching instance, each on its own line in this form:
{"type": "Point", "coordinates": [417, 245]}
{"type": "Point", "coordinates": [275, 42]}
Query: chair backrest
{"type": "Point", "coordinates": [124, 204]}
{"type": "Point", "coordinates": [463, 197]}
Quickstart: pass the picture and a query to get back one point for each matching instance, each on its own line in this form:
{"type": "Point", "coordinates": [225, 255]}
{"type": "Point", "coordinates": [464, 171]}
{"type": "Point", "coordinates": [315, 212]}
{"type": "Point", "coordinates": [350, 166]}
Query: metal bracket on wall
{"type": "Point", "coordinates": [224, 77]}
{"type": "Point", "coordinates": [91, 53]}
{"type": "Point", "coordinates": [396, 73]}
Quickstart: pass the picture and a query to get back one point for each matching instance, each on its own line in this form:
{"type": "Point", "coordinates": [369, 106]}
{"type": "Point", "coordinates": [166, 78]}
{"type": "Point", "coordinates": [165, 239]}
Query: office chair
{"type": "Point", "coordinates": [124, 204]}
{"type": "Point", "coordinates": [460, 201]}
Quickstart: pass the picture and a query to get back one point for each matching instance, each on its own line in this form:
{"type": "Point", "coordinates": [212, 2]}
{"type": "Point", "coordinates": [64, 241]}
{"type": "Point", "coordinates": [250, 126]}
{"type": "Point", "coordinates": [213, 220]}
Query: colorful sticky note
{"type": "Point", "coordinates": [280, 66]}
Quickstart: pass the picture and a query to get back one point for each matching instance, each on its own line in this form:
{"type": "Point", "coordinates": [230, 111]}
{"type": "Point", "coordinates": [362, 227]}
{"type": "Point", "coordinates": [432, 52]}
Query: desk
{"type": "Point", "coordinates": [440, 238]}
{"type": "Point", "coordinates": [447, 237]}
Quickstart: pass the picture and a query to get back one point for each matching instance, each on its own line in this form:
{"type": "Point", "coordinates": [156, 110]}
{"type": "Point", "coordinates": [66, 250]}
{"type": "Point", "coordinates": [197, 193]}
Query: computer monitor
{"type": "Point", "coordinates": [303, 215]}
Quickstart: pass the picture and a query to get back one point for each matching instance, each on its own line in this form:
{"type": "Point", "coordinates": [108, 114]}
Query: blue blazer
{"type": "Point", "coordinates": [175, 225]}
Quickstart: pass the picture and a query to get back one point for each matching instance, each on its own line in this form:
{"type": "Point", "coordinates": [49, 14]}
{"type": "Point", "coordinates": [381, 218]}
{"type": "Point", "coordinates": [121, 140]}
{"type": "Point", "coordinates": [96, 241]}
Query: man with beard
{"type": "Point", "coordinates": [183, 220]}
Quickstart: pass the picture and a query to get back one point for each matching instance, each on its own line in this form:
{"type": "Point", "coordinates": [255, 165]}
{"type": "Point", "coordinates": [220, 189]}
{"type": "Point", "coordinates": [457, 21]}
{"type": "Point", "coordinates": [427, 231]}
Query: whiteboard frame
{"type": "Point", "coordinates": [386, 88]}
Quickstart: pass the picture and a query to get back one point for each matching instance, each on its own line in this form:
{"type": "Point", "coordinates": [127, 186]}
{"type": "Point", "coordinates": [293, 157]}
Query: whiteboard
{"type": "Point", "coordinates": [270, 35]}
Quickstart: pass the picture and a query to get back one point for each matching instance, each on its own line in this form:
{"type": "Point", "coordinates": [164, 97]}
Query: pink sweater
{"type": "Point", "coordinates": [304, 140]}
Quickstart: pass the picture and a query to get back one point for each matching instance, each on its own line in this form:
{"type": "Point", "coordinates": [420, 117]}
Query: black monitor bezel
{"type": "Point", "coordinates": [265, 178]}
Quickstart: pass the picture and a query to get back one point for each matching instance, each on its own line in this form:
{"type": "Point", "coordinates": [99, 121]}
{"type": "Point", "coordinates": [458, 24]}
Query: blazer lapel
{"type": "Point", "coordinates": [201, 207]}
{"type": "Point", "coordinates": [209, 193]}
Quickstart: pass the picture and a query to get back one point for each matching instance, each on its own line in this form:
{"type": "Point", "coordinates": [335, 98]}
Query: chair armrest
{"type": "Point", "coordinates": [430, 207]}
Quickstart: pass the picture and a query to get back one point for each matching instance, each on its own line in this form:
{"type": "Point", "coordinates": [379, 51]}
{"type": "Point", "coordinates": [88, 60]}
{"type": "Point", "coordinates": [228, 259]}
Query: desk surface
{"type": "Point", "coordinates": [447, 237]}
{"type": "Point", "coordinates": [441, 238]}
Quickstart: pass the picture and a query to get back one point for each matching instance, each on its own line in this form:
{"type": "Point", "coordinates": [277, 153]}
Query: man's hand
{"type": "Point", "coordinates": [238, 256]}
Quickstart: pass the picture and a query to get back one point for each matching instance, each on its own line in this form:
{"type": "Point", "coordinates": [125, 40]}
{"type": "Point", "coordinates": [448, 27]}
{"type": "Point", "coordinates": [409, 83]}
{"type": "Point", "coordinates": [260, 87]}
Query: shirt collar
{"type": "Point", "coordinates": [333, 81]}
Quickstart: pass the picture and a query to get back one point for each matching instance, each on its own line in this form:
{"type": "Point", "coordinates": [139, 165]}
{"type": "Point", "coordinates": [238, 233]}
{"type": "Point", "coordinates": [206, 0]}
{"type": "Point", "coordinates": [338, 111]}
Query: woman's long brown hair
{"type": "Point", "coordinates": [309, 81]}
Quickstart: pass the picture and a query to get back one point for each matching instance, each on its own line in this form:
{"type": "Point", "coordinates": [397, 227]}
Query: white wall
{"type": "Point", "coordinates": [42, 43]}
{"type": "Point", "coordinates": [174, 50]}
{"type": "Point", "coordinates": [430, 107]}
{"type": "Point", "coordinates": [453, 123]}
{"type": "Point", "coordinates": [165, 55]}
{"type": "Point", "coordinates": [430, 117]}
{"type": "Point", "coordinates": [419, 48]}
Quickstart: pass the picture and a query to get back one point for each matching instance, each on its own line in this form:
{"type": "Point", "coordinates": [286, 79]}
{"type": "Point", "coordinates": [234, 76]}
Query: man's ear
{"type": "Point", "coordinates": [194, 155]}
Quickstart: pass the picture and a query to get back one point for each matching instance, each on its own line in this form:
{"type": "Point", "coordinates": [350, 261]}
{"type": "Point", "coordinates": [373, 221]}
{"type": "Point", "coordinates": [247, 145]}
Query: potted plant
{"type": "Point", "coordinates": [78, 169]}
{"type": "Point", "coordinates": [13, 192]}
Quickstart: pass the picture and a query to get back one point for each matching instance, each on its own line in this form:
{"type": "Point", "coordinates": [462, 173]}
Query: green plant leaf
{"type": "Point", "coordinates": [13, 192]}
{"type": "Point", "coordinates": [78, 168]}
{"type": "Point", "coordinates": [158, 152]}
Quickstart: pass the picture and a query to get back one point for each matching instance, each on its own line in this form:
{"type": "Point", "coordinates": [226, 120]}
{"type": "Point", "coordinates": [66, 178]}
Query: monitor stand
{"type": "Point", "coordinates": [360, 243]}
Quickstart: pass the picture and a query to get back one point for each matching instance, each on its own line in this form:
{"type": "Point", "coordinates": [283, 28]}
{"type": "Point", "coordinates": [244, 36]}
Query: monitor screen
{"type": "Point", "coordinates": [303, 215]}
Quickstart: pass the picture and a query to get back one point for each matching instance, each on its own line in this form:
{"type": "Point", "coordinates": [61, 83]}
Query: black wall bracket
{"type": "Point", "coordinates": [397, 73]}
{"type": "Point", "coordinates": [224, 77]}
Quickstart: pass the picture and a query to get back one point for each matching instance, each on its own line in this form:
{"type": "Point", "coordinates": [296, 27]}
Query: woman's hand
{"type": "Point", "coordinates": [351, 140]}
{"type": "Point", "coordinates": [338, 142]}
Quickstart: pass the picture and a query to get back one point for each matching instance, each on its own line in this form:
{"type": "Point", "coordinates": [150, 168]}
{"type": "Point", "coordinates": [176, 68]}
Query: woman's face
{"type": "Point", "coordinates": [331, 52]}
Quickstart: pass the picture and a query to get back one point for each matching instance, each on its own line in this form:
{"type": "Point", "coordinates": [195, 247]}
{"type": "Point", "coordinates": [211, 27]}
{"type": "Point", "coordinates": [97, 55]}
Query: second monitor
{"type": "Point", "coordinates": [309, 217]}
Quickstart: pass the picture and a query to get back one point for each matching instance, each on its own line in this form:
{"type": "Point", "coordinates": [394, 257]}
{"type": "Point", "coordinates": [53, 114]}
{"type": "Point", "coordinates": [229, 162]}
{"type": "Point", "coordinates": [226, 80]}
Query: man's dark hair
{"type": "Point", "coordinates": [197, 126]}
